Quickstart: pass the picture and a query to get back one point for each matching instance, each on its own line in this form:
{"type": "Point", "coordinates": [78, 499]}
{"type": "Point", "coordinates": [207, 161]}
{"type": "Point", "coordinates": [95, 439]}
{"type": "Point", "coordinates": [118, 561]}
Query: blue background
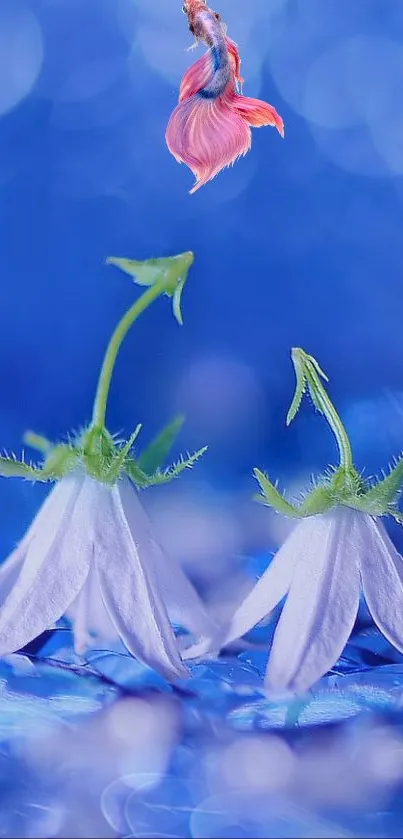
{"type": "Point", "coordinates": [299, 244]}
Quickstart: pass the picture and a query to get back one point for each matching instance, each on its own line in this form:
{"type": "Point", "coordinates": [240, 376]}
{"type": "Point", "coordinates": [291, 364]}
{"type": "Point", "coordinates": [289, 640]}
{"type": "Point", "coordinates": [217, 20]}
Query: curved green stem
{"type": "Point", "coordinates": [329, 411]}
{"type": "Point", "coordinates": [104, 382]}
{"type": "Point", "coordinates": [309, 374]}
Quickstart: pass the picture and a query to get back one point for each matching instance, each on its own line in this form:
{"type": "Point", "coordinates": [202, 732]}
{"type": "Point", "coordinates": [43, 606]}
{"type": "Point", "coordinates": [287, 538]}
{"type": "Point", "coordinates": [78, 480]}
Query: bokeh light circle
{"type": "Point", "coordinates": [21, 53]}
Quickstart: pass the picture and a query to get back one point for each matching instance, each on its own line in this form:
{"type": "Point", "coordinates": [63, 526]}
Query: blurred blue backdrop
{"type": "Point", "coordinates": [299, 244]}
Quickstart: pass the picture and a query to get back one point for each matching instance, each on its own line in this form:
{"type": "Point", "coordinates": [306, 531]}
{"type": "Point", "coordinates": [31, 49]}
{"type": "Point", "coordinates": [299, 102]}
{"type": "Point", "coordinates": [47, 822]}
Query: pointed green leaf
{"type": "Point", "coordinates": [317, 501]}
{"type": "Point", "coordinates": [171, 271]}
{"type": "Point", "coordinates": [156, 453]}
{"type": "Point", "coordinates": [176, 300]}
{"type": "Point", "coordinates": [167, 475]}
{"type": "Point", "coordinates": [10, 468]}
{"type": "Point", "coordinates": [308, 372]}
{"type": "Point", "coordinates": [271, 497]}
{"type": "Point", "coordinates": [97, 452]}
{"type": "Point", "coordinates": [384, 493]}
{"type": "Point", "coordinates": [60, 460]}
{"type": "Point", "coordinates": [300, 388]}
{"type": "Point", "coordinates": [37, 441]}
{"type": "Point", "coordinates": [371, 506]}
{"type": "Point", "coordinates": [114, 469]}
{"type": "Point", "coordinates": [139, 478]}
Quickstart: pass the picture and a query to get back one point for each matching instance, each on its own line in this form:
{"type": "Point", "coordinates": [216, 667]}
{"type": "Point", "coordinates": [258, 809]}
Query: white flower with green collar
{"type": "Point", "coordinates": [91, 548]}
{"type": "Point", "coordinates": [338, 548]}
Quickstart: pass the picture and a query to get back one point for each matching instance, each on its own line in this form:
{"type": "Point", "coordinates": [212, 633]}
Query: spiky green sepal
{"type": "Point", "coordinates": [338, 488]}
{"type": "Point", "coordinates": [271, 497]}
{"type": "Point", "coordinates": [165, 476]}
{"type": "Point", "coordinates": [37, 441]}
{"type": "Point", "coordinates": [318, 500]}
{"type": "Point", "coordinates": [152, 458]}
{"type": "Point", "coordinates": [103, 457]}
{"type": "Point", "coordinates": [10, 467]}
{"type": "Point", "coordinates": [386, 491]}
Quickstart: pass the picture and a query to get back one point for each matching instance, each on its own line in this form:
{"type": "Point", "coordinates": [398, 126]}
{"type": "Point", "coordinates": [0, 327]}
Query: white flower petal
{"type": "Point", "coordinates": [181, 598]}
{"type": "Point", "coordinates": [272, 586]}
{"type": "Point", "coordinates": [55, 568]}
{"type": "Point", "coordinates": [322, 604]}
{"type": "Point", "coordinates": [131, 594]}
{"type": "Point", "coordinates": [382, 580]}
{"type": "Point", "coordinates": [10, 568]}
{"type": "Point", "coordinates": [78, 614]}
{"type": "Point", "coordinates": [90, 619]}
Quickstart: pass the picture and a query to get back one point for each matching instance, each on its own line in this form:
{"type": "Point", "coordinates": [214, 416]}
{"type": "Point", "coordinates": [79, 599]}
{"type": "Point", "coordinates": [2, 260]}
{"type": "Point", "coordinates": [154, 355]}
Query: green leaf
{"type": "Point", "coordinates": [300, 388]}
{"type": "Point", "coordinates": [385, 491]}
{"type": "Point", "coordinates": [172, 271]}
{"type": "Point", "coordinates": [12, 468]}
{"type": "Point", "coordinates": [177, 299]}
{"type": "Point", "coordinates": [60, 460]}
{"type": "Point", "coordinates": [139, 478]}
{"type": "Point", "coordinates": [167, 475]}
{"type": "Point", "coordinates": [37, 441]}
{"type": "Point", "coordinates": [317, 501]}
{"type": "Point", "coordinates": [308, 373]}
{"type": "Point", "coordinates": [115, 468]}
{"type": "Point", "coordinates": [97, 452]}
{"type": "Point", "coordinates": [271, 497]}
{"type": "Point", "coordinates": [156, 453]}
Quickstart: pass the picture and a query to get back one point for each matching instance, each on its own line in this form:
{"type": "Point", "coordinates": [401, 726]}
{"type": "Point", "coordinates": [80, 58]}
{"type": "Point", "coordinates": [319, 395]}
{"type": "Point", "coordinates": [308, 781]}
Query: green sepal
{"type": "Point", "coordinates": [120, 457]}
{"type": "Point", "coordinates": [302, 365]}
{"type": "Point", "coordinates": [12, 468]}
{"type": "Point", "coordinates": [386, 491]}
{"type": "Point", "coordinates": [271, 497]}
{"type": "Point", "coordinates": [97, 452]}
{"type": "Point", "coordinates": [38, 442]}
{"type": "Point", "coordinates": [162, 476]}
{"type": "Point", "coordinates": [60, 460]}
{"type": "Point", "coordinates": [300, 388]}
{"type": "Point", "coordinates": [318, 500]}
{"type": "Point", "coordinates": [133, 471]}
{"type": "Point", "coordinates": [157, 452]}
{"type": "Point", "coordinates": [172, 271]}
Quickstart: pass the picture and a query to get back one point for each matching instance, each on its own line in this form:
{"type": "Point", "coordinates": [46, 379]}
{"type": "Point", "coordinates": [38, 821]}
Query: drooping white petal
{"type": "Point", "coordinates": [55, 568]}
{"type": "Point", "coordinates": [90, 619]}
{"type": "Point", "coordinates": [78, 614]}
{"type": "Point", "coordinates": [382, 580]}
{"type": "Point", "coordinates": [10, 568]}
{"type": "Point", "coordinates": [264, 596]}
{"type": "Point", "coordinates": [131, 593]}
{"type": "Point", "coordinates": [322, 603]}
{"type": "Point", "coordinates": [180, 597]}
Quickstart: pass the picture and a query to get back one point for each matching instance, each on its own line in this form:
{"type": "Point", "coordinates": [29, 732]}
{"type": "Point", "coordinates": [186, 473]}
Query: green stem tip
{"type": "Point", "coordinates": [309, 375]}
{"type": "Point", "coordinates": [161, 276]}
